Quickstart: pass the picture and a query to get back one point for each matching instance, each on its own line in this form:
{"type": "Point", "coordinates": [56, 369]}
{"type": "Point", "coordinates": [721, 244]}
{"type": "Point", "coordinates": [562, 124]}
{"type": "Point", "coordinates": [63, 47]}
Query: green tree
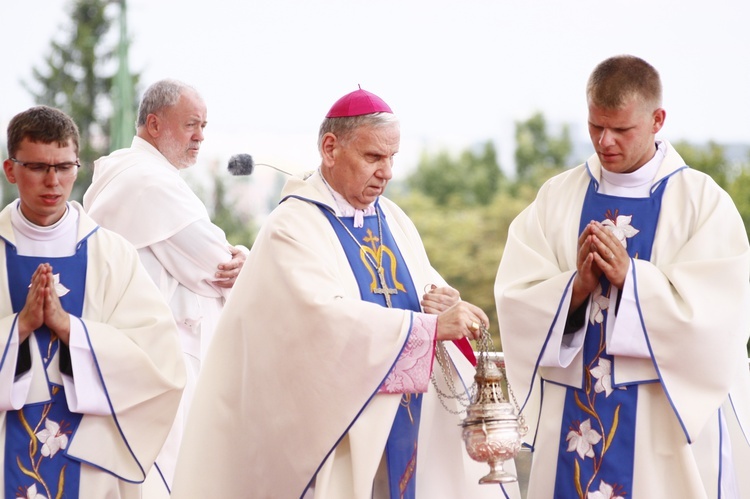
{"type": "Point", "coordinates": [77, 77]}
{"type": "Point", "coordinates": [710, 159]}
{"type": "Point", "coordinates": [739, 190]}
{"type": "Point", "coordinates": [471, 179]}
{"type": "Point", "coordinates": [124, 102]}
{"type": "Point", "coordinates": [538, 154]}
{"type": "Point", "coordinates": [239, 228]}
{"type": "Point", "coordinates": [734, 177]}
{"type": "Point", "coordinates": [221, 204]}
{"type": "Point", "coordinates": [465, 244]}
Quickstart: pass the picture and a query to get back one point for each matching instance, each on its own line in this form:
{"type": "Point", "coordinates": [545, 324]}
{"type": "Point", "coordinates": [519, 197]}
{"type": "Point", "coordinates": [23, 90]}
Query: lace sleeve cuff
{"type": "Point", "coordinates": [411, 373]}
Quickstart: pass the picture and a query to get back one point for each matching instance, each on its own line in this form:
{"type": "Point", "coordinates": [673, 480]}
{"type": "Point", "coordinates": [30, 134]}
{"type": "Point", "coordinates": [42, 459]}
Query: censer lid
{"type": "Point", "coordinates": [488, 372]}
{"type": "Point", "coordinates": [489, 404]}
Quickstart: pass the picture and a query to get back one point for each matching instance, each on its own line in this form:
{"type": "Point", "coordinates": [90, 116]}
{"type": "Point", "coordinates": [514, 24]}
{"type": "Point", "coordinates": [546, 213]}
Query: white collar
{"type": "Point", "coordinates": [345, 209]}
{"type": "Point", "coordinates": [56, 240]}
{"type": "Point", "coordinates": [638, 181]}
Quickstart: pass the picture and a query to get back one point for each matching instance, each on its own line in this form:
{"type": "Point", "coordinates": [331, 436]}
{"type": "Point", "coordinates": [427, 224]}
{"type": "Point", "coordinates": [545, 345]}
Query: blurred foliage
{"type": "Point", "coordinates": [77, 78]}
{"type": "Point", "coordinates": [710, 159]}
{"type": "Point", "coordinates": [739, 190]}
{"type": "Point", "coordinates": [464, 206]}
{"type": "Point", "coordinates": [239, 227]}
{"type": "Point", "coordinates": [732, 176]}
{"type": "Point", "coordinates": [472, 179]}
{"type": "Point", "coordinates": [539, 155]}
{"type": "Point", "coordinates": [465, 243]}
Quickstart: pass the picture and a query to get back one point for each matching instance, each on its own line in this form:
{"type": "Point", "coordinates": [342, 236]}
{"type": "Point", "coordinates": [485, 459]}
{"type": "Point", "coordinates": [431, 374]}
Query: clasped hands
{"type": "Point", "coordinates": [599, 251]}
{"type": "Point", "coordinates": [456, 319]}
{"type": "Point", "coordinates": [43, 307]}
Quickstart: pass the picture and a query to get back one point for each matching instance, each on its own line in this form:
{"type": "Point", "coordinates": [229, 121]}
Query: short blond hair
{"type": "Point", "coordinates": [618, 79]}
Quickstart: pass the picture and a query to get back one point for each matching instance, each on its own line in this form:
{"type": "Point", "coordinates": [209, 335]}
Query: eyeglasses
{"type": "Point", "coordinates": [42, 169]}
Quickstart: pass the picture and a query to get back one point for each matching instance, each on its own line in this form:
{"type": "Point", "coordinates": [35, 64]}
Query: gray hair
{"type": "Point", "coordinates": [160, 95]}
{"type": "Point", "coordinates": [343, 128]}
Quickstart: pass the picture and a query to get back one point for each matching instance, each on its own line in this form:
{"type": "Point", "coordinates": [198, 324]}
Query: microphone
{"type": "Point", "coordinates": [243, 164]}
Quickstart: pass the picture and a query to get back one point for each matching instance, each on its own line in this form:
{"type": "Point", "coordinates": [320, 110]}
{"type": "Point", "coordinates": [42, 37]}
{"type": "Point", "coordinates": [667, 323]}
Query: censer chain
{"type": "Point", "coordinates": [484, 346]}
{"type": "Point", "coordinates": [522, 427]}
{"type": "Point", "coordinates": [463, 398]}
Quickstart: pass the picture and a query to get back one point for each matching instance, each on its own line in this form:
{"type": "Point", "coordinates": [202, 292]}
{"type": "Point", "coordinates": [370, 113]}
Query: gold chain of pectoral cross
{"type": "Point", "coordinates": [383, 289]}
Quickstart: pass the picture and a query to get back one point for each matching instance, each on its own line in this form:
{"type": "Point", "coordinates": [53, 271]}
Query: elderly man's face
{"type": "Point", "coordinates": [361, 165]}
{"type": "Point", "coordinates": [182, 130]}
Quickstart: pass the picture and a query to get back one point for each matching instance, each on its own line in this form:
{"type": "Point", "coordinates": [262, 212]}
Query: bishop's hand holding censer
{"type": "Point", "coordinates": [492, 428]}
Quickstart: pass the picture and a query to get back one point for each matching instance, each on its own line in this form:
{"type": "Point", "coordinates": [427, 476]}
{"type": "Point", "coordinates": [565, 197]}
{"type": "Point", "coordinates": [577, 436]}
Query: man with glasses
{"type": "Point", "coordinates": [42, 169]}
{"type": "Point", "coordinates": [91, 373]}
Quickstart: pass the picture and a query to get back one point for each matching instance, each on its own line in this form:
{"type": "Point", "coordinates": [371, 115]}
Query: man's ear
{"type": "Point", "coordinates": [659, 116]}
{"type": "Point", "coordinates": [153, 125]}
{"type": "Point", "coordinates": [8, 168]}
{"type": "Point", "coordinates": [328, 146]}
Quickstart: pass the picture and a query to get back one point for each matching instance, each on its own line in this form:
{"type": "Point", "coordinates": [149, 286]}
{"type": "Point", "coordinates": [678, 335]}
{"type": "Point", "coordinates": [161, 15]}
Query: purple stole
{"type": "Point", "coordinates": [597, 437]}
{"type": "Point", "coordinates": [37, 434]}
{"type": "Point", "coordinates": [401, 447]}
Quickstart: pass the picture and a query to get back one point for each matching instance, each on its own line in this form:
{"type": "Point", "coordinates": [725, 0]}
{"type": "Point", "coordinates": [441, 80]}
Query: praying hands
{"type": "Point", "coordinates": [43, 307]}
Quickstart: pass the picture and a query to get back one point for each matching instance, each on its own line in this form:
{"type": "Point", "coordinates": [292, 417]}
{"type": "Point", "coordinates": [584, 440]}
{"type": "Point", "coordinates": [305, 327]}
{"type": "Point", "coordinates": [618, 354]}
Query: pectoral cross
{"type": "Point", "coordinates": [384, 289]}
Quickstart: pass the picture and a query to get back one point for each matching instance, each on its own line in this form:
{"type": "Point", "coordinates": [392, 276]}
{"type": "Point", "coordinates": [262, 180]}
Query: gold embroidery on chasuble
{"type": "Point", "coordinates": [371, 252]}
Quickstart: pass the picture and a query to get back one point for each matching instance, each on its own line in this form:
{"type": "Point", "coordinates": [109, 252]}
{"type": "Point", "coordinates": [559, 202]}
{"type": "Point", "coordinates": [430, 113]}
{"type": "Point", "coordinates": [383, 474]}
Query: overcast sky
{"type": "Point", "coordinates": [456, 72]}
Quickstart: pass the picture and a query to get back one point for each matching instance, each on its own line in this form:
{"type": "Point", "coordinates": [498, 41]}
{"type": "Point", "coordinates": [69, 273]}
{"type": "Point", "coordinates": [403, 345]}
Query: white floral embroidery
{"type": "Point", "coordinates": [605, 491]}
{"type": "Point", "coordinates": [598, 304]}
{"type": "Point", "coordinates": [31, 493]}
{"type": "Point", "coordinates": [59, 288]}
{"type": "Point", "coordinates": [583, 440]}
{"type": "Point", "coordinates": [52, 438]}
{"type": "Point", "coordinates": [603, 374]}
{"type": "Point", "coordinates": [621, 228]}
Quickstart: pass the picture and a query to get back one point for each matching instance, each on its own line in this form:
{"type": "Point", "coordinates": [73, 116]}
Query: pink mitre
{"type": "Point", "coordinates": [358, 103]}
